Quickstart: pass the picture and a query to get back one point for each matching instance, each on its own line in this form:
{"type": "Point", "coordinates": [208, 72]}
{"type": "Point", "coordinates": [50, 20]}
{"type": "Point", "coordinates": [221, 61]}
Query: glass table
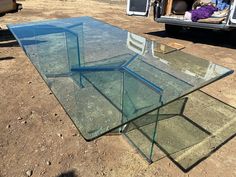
{"type": "Point", "coordinates": [108, 79]}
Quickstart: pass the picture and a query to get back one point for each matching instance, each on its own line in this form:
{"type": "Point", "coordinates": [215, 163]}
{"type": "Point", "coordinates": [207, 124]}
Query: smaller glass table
{"type": "Point", "coordinates": [105, 77]}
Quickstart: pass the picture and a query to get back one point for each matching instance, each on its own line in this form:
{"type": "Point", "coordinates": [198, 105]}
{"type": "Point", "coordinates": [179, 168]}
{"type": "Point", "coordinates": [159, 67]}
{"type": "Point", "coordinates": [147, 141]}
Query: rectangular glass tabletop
{"type": "Point", "coordinates": [105, 77]}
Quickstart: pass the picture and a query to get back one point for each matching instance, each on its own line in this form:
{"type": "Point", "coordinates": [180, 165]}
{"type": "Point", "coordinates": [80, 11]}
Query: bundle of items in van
{"type": "Point", "coordinates": [208, 12]}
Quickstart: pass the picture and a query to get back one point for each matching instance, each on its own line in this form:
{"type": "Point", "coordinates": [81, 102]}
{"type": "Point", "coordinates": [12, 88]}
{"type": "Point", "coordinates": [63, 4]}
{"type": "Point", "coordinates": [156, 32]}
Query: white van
{"type": "Point", "coordinates": [176, 14]}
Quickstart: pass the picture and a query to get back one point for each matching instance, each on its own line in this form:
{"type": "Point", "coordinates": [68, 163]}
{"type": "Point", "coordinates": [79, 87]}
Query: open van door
{"type": "Point", "coordinates": [233, 14]}
{"type": "Point", "coordinates": [138, 7]}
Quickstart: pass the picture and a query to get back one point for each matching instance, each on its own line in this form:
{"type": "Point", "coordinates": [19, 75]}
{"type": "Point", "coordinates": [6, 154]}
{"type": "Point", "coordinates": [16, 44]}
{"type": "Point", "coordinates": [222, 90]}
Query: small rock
{"type": "Point", "coordinates": [24, 122]}
{"type": "Point", "coordinates": [8, 126]}
{"type": "Point", "coordinates": [74, 134]}
{"type": "Point", "coordinates": [50, 93]}
{"type": "Point", "coordinates": [103, 174]}
{"type": "Point", "coordinates": [60, 135]}
{"type": "Point", "coordinates": [29, 82]}
{"type": "Point", "coordinates": [32, 96]}
{"type": "Point", "coordinates": [29, 172]}
{"type": "Point", "coordinates": [19, 118]}
{"type": "Point", "coordinates": [48, 163]}
{"type": "Point", "coordinates": [55, 114]}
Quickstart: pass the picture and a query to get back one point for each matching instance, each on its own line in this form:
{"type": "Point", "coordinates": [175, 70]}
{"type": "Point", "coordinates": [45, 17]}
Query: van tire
{"type": "Point", "coordinates": [172, 29]}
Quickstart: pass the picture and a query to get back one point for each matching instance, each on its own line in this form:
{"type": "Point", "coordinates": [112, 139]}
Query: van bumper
{"type": "Point", "coordinates": [192, 24]}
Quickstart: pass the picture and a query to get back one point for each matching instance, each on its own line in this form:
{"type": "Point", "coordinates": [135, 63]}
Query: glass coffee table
{"type": "Point", "coordinates": [110, 80]}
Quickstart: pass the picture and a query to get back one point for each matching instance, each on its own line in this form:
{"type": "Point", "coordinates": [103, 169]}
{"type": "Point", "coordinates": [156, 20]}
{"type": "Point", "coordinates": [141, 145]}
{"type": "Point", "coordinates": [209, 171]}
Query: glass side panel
{"type": "Point", "coordinates": [104, 76]}
{"type": "Point", "coordinates": [138, 98]}
{"type": "Point", "coordinates": [187, 130]}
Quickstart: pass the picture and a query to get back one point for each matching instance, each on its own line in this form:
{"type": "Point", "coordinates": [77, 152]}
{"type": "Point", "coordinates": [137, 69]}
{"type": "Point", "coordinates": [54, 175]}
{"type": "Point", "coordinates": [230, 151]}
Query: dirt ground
{"type": "Point", "coordinates": [37, 135]}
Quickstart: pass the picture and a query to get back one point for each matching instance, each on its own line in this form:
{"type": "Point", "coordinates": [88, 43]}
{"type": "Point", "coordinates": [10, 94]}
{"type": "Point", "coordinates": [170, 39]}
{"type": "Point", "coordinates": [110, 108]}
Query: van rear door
{"type": "Point", "coordinates": [138, 7]}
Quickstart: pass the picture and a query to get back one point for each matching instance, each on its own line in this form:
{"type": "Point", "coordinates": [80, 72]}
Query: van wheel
{"type": "Point", "coordinates": [172, 29]}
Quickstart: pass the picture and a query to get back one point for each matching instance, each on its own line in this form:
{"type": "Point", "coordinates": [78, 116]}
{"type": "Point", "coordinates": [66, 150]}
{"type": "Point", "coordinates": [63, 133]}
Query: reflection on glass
{"type": "Point", "coordinates": [136, 43]}
{"type": "Point", "coordinates": [187, 64]}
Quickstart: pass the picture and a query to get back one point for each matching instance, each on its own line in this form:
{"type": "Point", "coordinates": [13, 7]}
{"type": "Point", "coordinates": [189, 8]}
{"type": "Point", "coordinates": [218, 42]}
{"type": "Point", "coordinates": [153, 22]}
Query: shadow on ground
{"type": "Point", "coordinates": [203, 36]}
{"type": "Point", "coordinates": [6, 58]}
{"type": "Point", "coordinates": [70, 173]}
{"type": "Point", "coordinates": [187, 131]}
